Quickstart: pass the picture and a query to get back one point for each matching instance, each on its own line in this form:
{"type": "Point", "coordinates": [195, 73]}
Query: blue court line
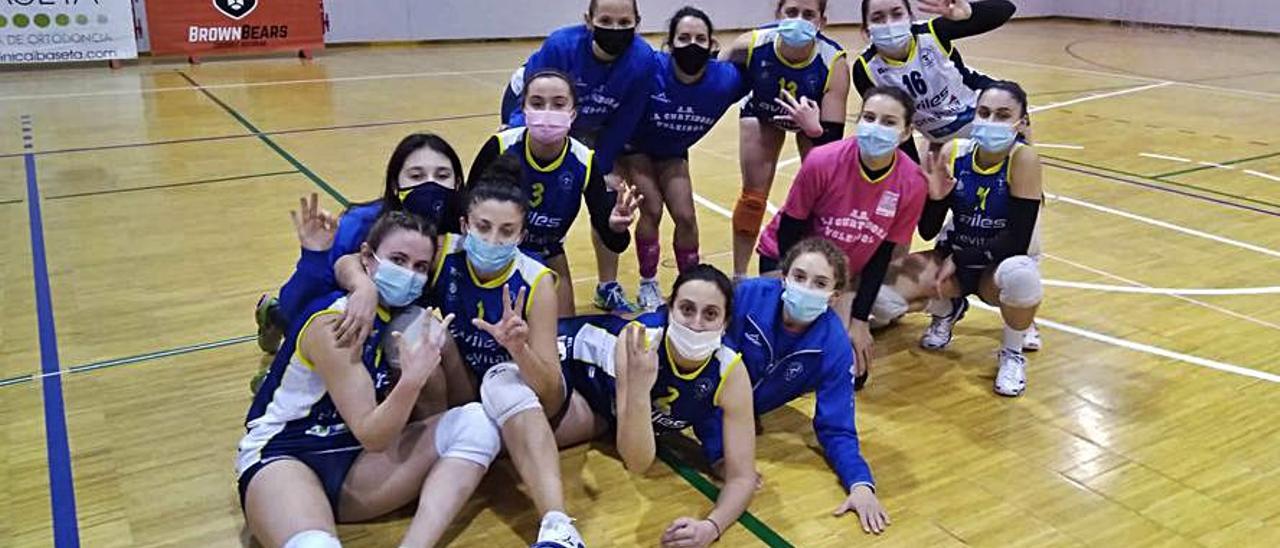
{"type": "Point", "coordinates": [62, 493]}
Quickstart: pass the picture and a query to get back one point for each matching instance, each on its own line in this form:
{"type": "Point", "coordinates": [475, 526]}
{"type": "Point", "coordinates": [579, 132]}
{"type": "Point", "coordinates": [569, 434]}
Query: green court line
{"type": "Point", "coordinates": [1230, 163]}
{"type": "Point", "coordinates": [1157, 179]}
{"type": "Point", "coordinates": [15, 380]}
{"type": "Point", "coordinates": [135, 359]}
{"type": "Point", "coordinates": [173, 185]}
{"type": "Point", "coordinates": [269, 142]}
{"type": "Point", "coordinates": [748, 520]}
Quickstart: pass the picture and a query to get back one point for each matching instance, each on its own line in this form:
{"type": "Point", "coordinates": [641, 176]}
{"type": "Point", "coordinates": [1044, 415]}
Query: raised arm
{"type": "Point", "coordinates": [636, 365]}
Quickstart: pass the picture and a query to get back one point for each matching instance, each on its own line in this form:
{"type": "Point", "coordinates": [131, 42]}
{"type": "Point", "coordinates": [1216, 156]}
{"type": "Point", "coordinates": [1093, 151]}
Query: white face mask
{"type": "Point", "coordinates": [693, 345]}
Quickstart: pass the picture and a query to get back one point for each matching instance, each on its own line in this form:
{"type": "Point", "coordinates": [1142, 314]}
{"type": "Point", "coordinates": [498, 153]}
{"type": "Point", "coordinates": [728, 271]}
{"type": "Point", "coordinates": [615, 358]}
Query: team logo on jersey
{"type": "Point", "coordinates": [793, 371]}
{"type": "Point", "coordinates": [888, 205]}
{"type": "Point", "coordinates": [928, 57]}
{"type": "Point", "coordinates": [661, 97]}
{"type": "Point", "coordinates": [566, 181]}
{"type": "Point", "coordinates": [703, 388]}
{"type": "Point", "coordinates": [754, 338]}
{"type": "Point", "coordinates": [236, 9]}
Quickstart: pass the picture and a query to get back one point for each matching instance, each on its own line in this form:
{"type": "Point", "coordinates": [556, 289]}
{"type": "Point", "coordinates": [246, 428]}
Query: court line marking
{"type": "Point", "coordinates": [1129, 76]}
{"type": "Point", "coordinates": [1163, 157]}
{"type": "Point", "coordinates": [1263, 175]}
{"type": "Point", "coordinates": [239, 85]}
{"type": "Point", "coordinates": [748, 520]}
{"type": "Point", "coordinates": [1109, 176]}
{"type": "Point", "coordinates": [1054, 145]}
{"type": "Point", "coordinates": [1272, 290]}
{"type": "Point", "coordinates": [1123, 343]}
{"type": "Point", "coordinates": [62, 488]}
{"type": "Point", "coordinates": [130, 360]}
{"type": "Point", "coordinates": [1227, 163]}
{"type": "Point", "coordinates": [174, 185]}
{"type": "Point", "coordinates": [1142, 347]}
{"type": "Point", "coordinates": [1088, 98]}
{"type": "Point", "coordinates": [1215, 165]}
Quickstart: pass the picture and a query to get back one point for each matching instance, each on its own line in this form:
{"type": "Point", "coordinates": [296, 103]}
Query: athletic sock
{"type": "Point", "coordinates": [648, 252]}
{"type": "Point", "coordinates": [1013, 339]}
{"type": "Point", "coordinates": [687, 258]}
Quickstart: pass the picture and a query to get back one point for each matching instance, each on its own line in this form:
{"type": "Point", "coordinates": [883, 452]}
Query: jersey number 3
{"type": "Point", "coordinates": [538, 190]}
{"type": "Point", "coordinates": [790, 87]}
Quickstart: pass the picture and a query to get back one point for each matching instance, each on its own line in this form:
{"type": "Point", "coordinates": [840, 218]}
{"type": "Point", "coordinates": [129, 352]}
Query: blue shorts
{"type": "Point", "coordinates": [594, 385]}
{"type": "Point", "coordinates": [543, 253]}
{"type": "Point", "coordinates": [330, 467]}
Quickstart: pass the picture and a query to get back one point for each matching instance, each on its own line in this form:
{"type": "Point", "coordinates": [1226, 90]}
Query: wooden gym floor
{"type": "Point", "coordinates": [1150, 418]}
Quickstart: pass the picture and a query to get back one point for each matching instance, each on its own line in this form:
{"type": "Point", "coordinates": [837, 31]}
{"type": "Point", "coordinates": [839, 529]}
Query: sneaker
{"type": "Point", "coordinates": [938, 335]}
{"type": "Point", "coordinates": [1011, 379]}
{"type": "Point", "coordinates": [558, 532]}
{"type": "Point", "coordinates": [649, 295]}
{"type": "Point", "coordinates": [611, 298]}
{"type": "Point", "coordinates": [1031, 341]}
{"type": "Point", "coordinates": [269, 336]}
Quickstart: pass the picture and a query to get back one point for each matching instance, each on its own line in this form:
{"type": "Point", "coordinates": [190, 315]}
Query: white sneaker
{"type": "Point", "coordinates": [1031, 341]}
{"type": "Point", "coordinates": [649, 295]}
{"type": "Point", "coordinates": [1011, 378]}
{"type": "Point", "coordinates": [557, 531]}
{"type": "Point", "coordinates": [938, 335]}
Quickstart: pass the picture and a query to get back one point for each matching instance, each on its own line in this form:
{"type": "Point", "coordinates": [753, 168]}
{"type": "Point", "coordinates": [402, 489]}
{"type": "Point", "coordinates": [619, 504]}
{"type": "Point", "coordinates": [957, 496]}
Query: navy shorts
{"type": "Point", "coordinates": [330, 467]}
{"type": "Point", "coordinates": [768, 264]}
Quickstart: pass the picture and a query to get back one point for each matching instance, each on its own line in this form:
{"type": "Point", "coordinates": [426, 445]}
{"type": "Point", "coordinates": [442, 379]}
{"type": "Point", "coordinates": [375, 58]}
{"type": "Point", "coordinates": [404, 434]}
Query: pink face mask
{"type": "Point", "coordinates": [548, 126]}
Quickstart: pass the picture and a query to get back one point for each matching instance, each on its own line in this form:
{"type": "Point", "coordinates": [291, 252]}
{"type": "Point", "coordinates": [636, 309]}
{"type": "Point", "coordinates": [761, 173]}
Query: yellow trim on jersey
{"type": "Point", "coordinates": [591, 160]}
{"type": "Point", "coordinates": [502, 147]}
{"type": "Point", "coordinates": [496, 282]}
{"type": "Point", "coordinates": [752, 49]}
{"type": "Point", "coordinates": [934, 33]}
{"type": "Point", "coordinates": [1008, 176]}
{"type": "Point", "coordinates": [870, 77]}
{"type": "Point", "coordinates": [724, 376]}
{"type": "Point", "coordinates": [781, 59]}
{"type": "Point", "coordinates": [831, 69]}
{"type": "Point", "coordinates": [989, 171]}
{"type": "Point", "coordinates": [911, 54]}
{"type": "Point", "coordinates": [955, 153]}
{"type": "Point", "coordinates": [302, 333]}
{"type": "Point", "coordinates": [533, 162]}
{"type": "Point", "coordinates": [671, 360]}
{"type": "Point", "coordinates": [384, 314]}
{"type": "Point", "coordinates": [863, 171]}
{"type": "Point", "coordinates": [533, 288]}
{"type": "Point", "coordinates": [441, 255]}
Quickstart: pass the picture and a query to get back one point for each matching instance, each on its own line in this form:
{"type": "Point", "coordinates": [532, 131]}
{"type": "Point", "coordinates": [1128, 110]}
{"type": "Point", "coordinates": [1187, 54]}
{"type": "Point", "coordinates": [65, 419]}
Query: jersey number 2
{"type": "Point", "coordinates": [915, 84]}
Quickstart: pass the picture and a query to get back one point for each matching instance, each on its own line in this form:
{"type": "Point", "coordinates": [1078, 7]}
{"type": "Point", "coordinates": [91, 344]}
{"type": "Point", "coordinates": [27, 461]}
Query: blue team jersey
{"type": "Point", "coordinates": [292, 412]}
{"type": "Point", "coordinates": [784, 366]}
{"type": "Point", "coordinates": [980, 202]}
{"type": "Point", "coordinates": [555, 190]}
{"type": "Point", "coordinates": [769, 73]}
{"type": "Point", "coordinates": [456, 290]}
{"type": "Point", "coordinates": [611, 96]}
{"type": "Point", "coordinates": [679, 399]}
{"type": "Point", "coordinates": [680, 114]}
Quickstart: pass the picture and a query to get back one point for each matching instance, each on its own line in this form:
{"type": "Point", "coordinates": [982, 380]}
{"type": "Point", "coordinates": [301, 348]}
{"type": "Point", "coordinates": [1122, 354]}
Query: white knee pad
{"type": "Point", "coordinates": [1019, 281]}
{"type": "Point", "coordinates": [313, 539]}
{"type": "Point", "coordinates": [505, 394]}
{"type": "Point", "coordinates": [467, 433]}
{"type": "Point", "coordinates": [889, 306]}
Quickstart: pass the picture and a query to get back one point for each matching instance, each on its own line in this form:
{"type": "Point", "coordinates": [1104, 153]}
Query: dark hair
{"type": "Point", "coordinates": [706, 273]}
{"type": "Point", "coordinates": [1012, 88]}
{"type": "Point", "coordinates": [822, 6]}
{"type": "Point", "coordinates": [392, 220]}
{"type": "Point", "coordinates": [834, 256]}
{"type": "Point", "coordinates": [897, 95]}
{"type": "Point", "coordinates": [410, 144]}
{"type": "Point", "coordinates": [635, 8]}
{"type": "Point", "coordinates": [552, 73]}
{"type": "Point", "coordinates": [865, 3]}
{"type": "Point", "coordinates": [500, 181]}
{"type": "Point", "coordinates": [689, 11]}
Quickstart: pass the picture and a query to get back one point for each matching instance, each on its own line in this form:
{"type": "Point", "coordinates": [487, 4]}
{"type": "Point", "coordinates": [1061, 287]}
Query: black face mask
{"type": "Point", "coordinates": [430, 200]}
{"type": "Point", "coordinates": [691, 58]}
{"type": "Point", "coordinates": [613, 41]}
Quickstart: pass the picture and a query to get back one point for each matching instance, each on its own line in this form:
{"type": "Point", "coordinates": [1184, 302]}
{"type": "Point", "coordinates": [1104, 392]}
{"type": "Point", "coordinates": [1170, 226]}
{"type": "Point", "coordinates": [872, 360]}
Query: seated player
{"type": "Point", "coordinates": [663, 372]}
{"type": "Point", "coordinates": [329, 437]}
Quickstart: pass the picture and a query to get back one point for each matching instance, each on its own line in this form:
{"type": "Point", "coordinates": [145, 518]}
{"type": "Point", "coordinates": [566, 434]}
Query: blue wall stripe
{"type": "Point", "coordinates": [62, 493]}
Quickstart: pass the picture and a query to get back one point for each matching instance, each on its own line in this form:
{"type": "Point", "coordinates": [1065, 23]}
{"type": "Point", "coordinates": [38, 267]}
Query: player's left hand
{"type": "Point", "coordinates": [871, 513]}
{"type": "Point", "coordinates": [512, 332]}
{"type": "Point", "coordinates": [804, 113]}
{"type": "Point", "coordinates": [316, 227]}
{"type": "Point", "coordinates": [955, 10]}
{"type": "Point", "coordinates": [624, 210]}
{"type": "Point", "coordinates": [863, 344]}
{"type": "Point", "coordinates": [689, 532]}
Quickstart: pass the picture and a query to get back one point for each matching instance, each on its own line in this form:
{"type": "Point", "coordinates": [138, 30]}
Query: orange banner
{"type": "Point", "coordinates": [208, 27]}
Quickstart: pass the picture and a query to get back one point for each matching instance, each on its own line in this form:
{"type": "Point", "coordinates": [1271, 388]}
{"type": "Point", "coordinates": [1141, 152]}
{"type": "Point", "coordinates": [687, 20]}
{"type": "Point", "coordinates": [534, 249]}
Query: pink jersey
{"type": "Point", "coordinates": [844, 206]}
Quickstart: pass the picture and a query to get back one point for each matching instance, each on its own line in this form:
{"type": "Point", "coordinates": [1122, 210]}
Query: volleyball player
{"type": "Point", "coordinates": [793, 343]}
{"type": "Point", "coordinates": [862, 194]}
{"type": "Point", "coordinates": [662, 372]}
{"type": "Point", "coordinates": [922, 60]}
{"type": "Point", "coordinates": [799, 82]}
{"type": "Point", "coordinates": [329, 436]}
{"type": "Point", "coordinates": [558, 172]}
{"type": "Point", "coordinates": [692, 91]}
{"type": "Point", "coordinates": [991, 184]}
{"type": "Point", "coordinates": [613, 69]}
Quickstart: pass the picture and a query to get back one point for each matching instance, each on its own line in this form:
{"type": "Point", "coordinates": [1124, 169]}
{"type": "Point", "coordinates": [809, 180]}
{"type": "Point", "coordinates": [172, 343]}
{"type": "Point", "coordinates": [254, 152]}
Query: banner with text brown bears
{"type": "Point", "coordinates": [212, 27]}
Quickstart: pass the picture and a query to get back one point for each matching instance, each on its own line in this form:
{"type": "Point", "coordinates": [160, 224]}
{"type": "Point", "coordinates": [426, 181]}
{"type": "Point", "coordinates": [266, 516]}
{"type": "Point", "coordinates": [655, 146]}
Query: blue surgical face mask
{"type": "Point", "coordinates": [797, 32]}
{"type": "Point", "coordinates": [875, 140]}
{"type": "Point", "coordinates": [485, 257]}
{"type": "Point", "coordinates": [397, 286]}
{"type": "Point", "coordinates": [430, 200]}
{"type": "Point", "coordinates": [802, 303]}
{"type": "Point", "coordinates": [992, 136]}
{"type": "Point", "coordinates": [891, 36]}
